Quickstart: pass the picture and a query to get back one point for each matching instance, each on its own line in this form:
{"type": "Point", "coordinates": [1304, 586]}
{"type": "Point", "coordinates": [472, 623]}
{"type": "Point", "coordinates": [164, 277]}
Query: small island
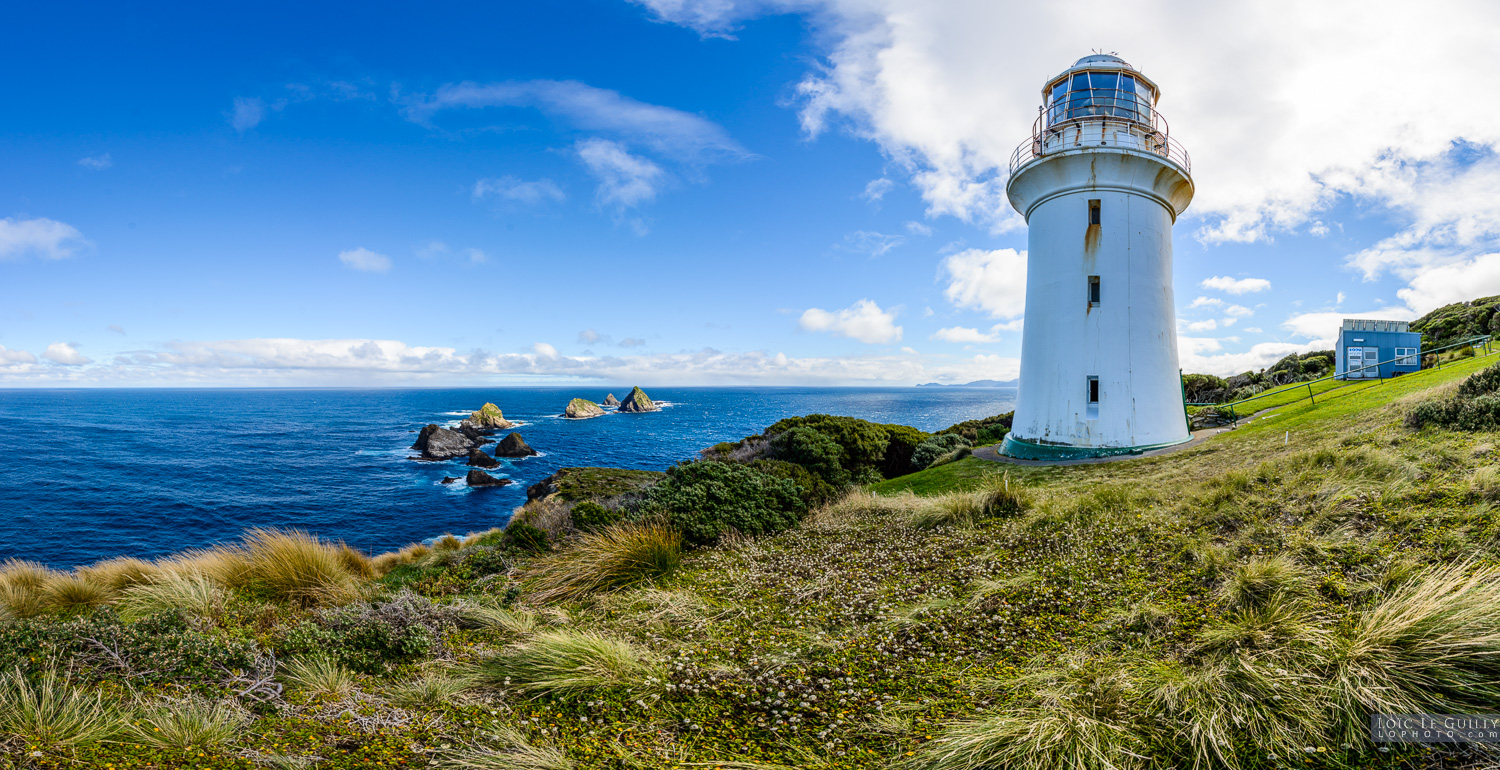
{"type": "Point", "coordinates": [638, 401]}
{"type": "Point", "coordinates": [582, 408]}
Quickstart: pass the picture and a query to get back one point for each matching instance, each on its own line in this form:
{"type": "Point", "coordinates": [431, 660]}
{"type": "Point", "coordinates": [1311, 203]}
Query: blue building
{"type": "Point", "coordinates": [1376, 349]}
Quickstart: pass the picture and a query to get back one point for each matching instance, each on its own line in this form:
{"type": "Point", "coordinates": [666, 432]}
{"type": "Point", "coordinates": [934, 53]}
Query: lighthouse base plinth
{"type": "Point", "coordinates": [1030, 450]}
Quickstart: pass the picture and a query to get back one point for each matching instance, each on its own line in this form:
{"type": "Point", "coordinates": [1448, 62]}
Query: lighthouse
{"type": "Point", "coordinates": [1100, 183]}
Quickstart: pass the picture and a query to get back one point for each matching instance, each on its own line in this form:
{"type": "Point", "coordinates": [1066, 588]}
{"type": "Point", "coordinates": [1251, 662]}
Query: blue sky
{"type": "Point", "coordinates": [675, 192]}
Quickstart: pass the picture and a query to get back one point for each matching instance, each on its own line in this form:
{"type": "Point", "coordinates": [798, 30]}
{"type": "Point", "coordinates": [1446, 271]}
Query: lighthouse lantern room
{"type": "Point", "coordinates": [1100, 183]}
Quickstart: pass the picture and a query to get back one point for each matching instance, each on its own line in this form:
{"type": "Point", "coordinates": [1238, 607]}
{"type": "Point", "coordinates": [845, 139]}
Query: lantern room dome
{"type": "Point", "coordinates": [1101, 59]}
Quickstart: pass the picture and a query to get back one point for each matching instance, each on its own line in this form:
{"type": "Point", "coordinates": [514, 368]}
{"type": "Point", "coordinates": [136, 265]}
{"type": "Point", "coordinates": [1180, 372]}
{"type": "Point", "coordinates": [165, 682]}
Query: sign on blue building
{"type": "Point", "coordinates": [1376, 349]}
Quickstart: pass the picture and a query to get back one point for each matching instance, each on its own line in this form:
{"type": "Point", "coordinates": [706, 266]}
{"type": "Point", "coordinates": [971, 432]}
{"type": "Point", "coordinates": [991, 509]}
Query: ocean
{"type": "Point", "coordinates": [92, 474]}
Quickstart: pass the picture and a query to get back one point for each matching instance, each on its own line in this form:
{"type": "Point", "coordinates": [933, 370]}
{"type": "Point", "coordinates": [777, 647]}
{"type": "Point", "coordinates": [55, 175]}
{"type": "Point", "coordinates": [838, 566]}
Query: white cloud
{"type": "Point", "coordinates": [964, 334]}
{"type": "Point", "coordinates": [544, 350]}
{"type": "Point", "coordinates": [1206, 302]}
{"type": "Point", "coordinates": [46, 238]}
{"type": "Point", "coordinates": [1254, 330]}
{"type": "Point", "coordinates": [1202, 326]}
{"type": "Point", "coordinates": [10, 358]}
{"type": "Point", "coordinates": [1323, 327]}
{"type": "Point", "coordinates": [66, 354]}
{"type": "Point", "coordinates": [1239, 311]}
{"type": "Point", "coordinates": [363, 362]}
{"type": "Point", "coordinates": [863, 321]}
{"type": "Point", "coordinates": [668, 131]}
{"type": "Point", "coordinates": [625, 180]}
{"type": "Point", "coordinates": [1236, 285]}
{"type": "Point", "coordinates": [1192, 356]}
{"type": "Point", "coordinates": [992, 281]}
{"type": "Point", "coordinates": [1455, 282]}
{"type": "Point", "coordinates": [247, 114]}
{"type": "Point", "coordinates": [97, 162]}
{"type": "Point", "coordinates": [1260, 93]}
{"type": "Point", "coordinates": [869, 243]}
{"type": "Point", "coordinates": [513, 190]}
{"type": "Point", "coordinates": [1340, 299]}
{"type": "Point", "coordinates": [876, 189]}
{"type": "Point", "coordinates": [365, 260]}
{"type": "Point", "coordinates": [590, 337]}
{"type": "Point", "coordinates": [632, 342]}
{"type": "Point", "coordinates": [917, 228]}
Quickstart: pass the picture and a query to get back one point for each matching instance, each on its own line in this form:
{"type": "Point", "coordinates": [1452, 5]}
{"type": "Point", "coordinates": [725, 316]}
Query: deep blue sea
{"type": "Point", "coordinates": [91, 474]}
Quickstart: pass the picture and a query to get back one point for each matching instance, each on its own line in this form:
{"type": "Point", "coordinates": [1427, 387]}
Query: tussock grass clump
{"type": "Point", "coordinates": [519, 754]}
{"type": "Point", "coordinates": [298, 567]}
{"type": "Point", "coordinates": [998, 498]}
{"type": "Point", "coordinates": [187, 724]}
{"type": "Point", "coordinates": [567, 661]}
{"type": "Point", "coordinates": [514, 622]}
{"type": "Point", "coordinates": [226, 566]}
{"type": "Point", "coordinates": [194, 594]}
{"type": "Point", "coordinates": [119, 573]}
{"type": "Point", "coordinates": [430, 690]}
{"type": "Point", "coordinates": [1206, 714]}
{"type": "Point", "coordinates": [1485, 483]}
{"type": "Point", "coordinates": [843, 513]}
{"type": "Point", "coordinates": [1258, 580]}
{"type": "Point", "coordinates": [617, 556]}
{"type": "Point", "coordinates": [50, 710]}
{"type": "Point", "coordinates": [320, 675]}
{"type": "Point", "coordinates": [1279, 626]}
{"type": "Point", "coordinates": [1432, 646]}
{"type": "Point", "coordinates": [67, 594]}
{"type": "Point", "coordinates": [1080, 719]}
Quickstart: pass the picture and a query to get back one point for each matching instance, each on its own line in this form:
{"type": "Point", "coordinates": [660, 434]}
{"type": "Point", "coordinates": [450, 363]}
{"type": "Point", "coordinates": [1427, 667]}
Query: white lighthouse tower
{"type": "Point", "coordinates": [1100, 183]}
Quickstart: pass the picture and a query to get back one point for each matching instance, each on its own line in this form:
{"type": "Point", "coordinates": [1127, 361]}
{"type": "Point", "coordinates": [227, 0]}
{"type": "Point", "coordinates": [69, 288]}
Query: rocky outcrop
{"type": "Point", "coordinates": [638, 401]}
{"type": "Point", "coordinates": [449, 479]}
{"type": "Point", "coordinates": [489, 417]}
{"type": "Point", "coordinates": [478, 459]}
{"type": "Point", "coordinates": [580, 408]}
{"type": "Point", "coordinates": [472, 433]}
{"type": "Point", "coordinates": [514, 446]}
{"type": "Point", "coordinates": [477, 478]}
{"type": "Point", "coordinates": [610, 400]}
{"type": "Point", "coordinates": [574, 484]}
{"type": "Point", "coordinates": [1210, 417]}
{"type": "Point", "coordinates": [439, 443]}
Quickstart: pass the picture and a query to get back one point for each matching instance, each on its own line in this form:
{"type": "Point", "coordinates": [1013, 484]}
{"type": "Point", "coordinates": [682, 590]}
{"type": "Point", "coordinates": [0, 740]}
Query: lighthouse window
{"type": "Point", "coordinates": [1093, 291]}
{"type": "Point", "coordinates": [1094, 211]}
{"type": "Point", "coordinates": [1093, 390]}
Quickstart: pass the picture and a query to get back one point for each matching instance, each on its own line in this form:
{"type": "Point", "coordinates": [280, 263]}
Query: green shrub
{"type": "Point", "coordinates": [524, 537]}
{"type": "Point", "coordinates": [1483, 382]}
{"type": "Point", "coordinates": [371, 638]}
{"type": "Point", "coordinates": [815, 489]}
{"type": "Point", "coordinates": [901, 442]}
{"type": "Point", "coordinates": [813, 450]}
{"type": "Point", "coordinates": [990, 434]}
{"type": "Point", "coordinates": [1474, 407]}
{"type": "Point", "coordinates": [160, 648]}
{"type": "Point", "coordinates": [589, 516]}
{"type": "Point", "coordinates": [936, 447]}
{"type": "Point", "coordinates": [862, 443]}
{"type": "Point", "coordinates": [994, 427]}
{"type": "Point", "coordinates": [705, 500]}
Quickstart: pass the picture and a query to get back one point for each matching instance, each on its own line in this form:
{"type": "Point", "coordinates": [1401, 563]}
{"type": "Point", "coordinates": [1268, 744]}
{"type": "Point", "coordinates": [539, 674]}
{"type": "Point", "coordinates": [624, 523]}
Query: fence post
{"type": "Point", "coordinates": [1310, 393]}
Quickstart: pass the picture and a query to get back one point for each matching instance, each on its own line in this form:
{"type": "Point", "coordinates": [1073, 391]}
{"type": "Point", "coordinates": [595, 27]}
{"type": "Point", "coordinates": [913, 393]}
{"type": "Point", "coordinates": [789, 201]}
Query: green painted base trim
{"type": "Point", "coordinates": [1027, 450]}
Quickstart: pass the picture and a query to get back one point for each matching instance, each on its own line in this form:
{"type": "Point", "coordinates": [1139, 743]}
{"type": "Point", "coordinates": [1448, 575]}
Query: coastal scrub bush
{"type": "Point", "coordinates": [705, 500]}
{"type": "Point", "coordinates": [185, 724]}
{"type": "Point", "coordinates": [1475, 406]}
{"type": "Point", "coordinates": [935, 447]}
{"type": "Point", "coordinates": [565, 661]}
{"type": "Point", "coordinates": [618, 556]}
{"type": "Point", "coordinates": [980, 432]}
{"type": "Point", "coordinates": [815, 489]}
{"type": "Point", "coordinates": [526, 538]}
{"type": "Point", "coordinates": [49, 709]}
{"type": "Point", "coordinates": [813, 450]}
{"type": "Point", "coordinates": [159, 648]}
{"type": "Point", "coordinates": [901, 442]}
{"type": "Point", "coordinates": [589, 516]}
{"type": "Point", "coordinates": [862, 443]}
{"type": "Point", "coordinates": [372, 637]}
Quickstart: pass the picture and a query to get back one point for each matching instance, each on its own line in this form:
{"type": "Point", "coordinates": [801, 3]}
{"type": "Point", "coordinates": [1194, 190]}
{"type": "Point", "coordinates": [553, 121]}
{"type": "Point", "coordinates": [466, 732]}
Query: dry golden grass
{"type": "Point", "coordinates": [617, 556]}
{"type": "Point", "coordinates": [298, 567]}
{"type": "Point", "coordinates": [119, 573]}
{"type": "Point", "coordinates": [70, 593]}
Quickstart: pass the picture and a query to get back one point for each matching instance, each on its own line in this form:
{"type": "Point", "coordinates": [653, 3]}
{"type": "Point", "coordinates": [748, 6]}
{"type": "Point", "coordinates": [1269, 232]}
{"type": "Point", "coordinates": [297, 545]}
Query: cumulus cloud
{"type": "Point", "coordinates": [1236, 285]}
{"type": "Point", "coordinates": [1238, 311]}
{"type": "Point", "coordinates": [1202, 326]}
{"type": "Point", "coordinates": [964, 334]}
{"type": "Point", "coordinates": [992, 281]}
{"type": "Point", "coordinates": [65, 354]}
{"type": "Point", "coordinates": [365, 260]}
{"type": "Point", "coordinates": [42, 237]}
{"type": "Point", "coordinates": [544, 350]}
{"type": "Point", "coordinates": [1206, 302]}
{"type": "Point", "coordinates": [1199, 355]}
{"type": "Point", "coordinates": [14, 357]}
{"type": "Point", "coordinates": [513, 190]}
{"type": "Point", "coordinates": [247, 113]}
{"type": "Point", "coordinates": [345, 362]}
{"type": "Point", "coordinates": [97, 162]}
{"type": "Point", "coordinates": [625, 180]}
{"type": "Point", "coordinates": [1323, 327]}
{"type": "Point", "coordinates": [863, 321]}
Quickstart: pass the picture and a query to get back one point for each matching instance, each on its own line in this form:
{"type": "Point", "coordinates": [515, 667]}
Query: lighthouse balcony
{"type": "Point", "coordinates": [1142, 129]}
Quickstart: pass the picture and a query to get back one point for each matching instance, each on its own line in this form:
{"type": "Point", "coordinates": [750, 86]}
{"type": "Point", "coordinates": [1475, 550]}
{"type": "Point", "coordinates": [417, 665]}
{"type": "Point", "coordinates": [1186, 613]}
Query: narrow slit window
{"type": "Point", "coordinates": [1093, 390]}
{"type": "Point", "coordinates": [1093, 291]}
{"type": "Point", "coordinates": [1094, 212]}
